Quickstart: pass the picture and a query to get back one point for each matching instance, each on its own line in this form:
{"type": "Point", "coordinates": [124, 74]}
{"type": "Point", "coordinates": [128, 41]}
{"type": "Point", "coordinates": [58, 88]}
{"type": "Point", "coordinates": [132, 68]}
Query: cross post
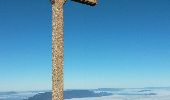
{"type": "Point", "coordinates": [58, 46]}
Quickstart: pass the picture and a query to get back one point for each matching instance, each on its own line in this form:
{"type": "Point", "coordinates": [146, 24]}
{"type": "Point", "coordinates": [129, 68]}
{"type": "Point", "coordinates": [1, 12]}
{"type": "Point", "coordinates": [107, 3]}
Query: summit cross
{"type": "Point", "coordinates": [58, 46]}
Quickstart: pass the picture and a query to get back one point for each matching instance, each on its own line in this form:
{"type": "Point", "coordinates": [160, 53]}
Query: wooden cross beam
{"type": "Point", "coordinates": [58, 46]}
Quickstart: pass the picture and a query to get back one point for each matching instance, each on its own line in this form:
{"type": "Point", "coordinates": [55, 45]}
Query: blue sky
{"type": "Point", "coordinates": [118, 43]}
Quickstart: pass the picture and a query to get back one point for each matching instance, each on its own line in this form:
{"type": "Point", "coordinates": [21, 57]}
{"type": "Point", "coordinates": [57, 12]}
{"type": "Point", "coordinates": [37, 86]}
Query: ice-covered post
{"type": "Point", "coordinates": [58, 46]}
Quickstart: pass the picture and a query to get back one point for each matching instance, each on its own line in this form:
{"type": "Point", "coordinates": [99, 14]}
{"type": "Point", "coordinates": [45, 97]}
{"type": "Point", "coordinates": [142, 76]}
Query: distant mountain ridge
{"type": "Point", "coordinates": [157, 87]}
{"type": "Point", "coordinates": [69, 95]}
{"type": "Point", "coordinates": [8, 93]}
{"type": "Point", "coordinates": [109, 89]}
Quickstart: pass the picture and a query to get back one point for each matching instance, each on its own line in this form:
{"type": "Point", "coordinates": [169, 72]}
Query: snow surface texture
{"type": "Point", "coordinates": [134, 94]}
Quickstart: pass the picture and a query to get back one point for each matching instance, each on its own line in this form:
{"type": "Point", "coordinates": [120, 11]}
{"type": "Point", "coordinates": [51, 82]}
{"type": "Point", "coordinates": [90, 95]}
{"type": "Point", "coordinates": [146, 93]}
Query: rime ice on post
{"type": "Point", "coordinates": [58, 46]}
{"type": "Point", "coordinates": [57, 50]}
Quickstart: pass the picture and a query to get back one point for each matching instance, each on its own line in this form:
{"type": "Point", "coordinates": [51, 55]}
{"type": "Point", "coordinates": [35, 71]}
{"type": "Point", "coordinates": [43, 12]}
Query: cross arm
{"type": "Point", "coordinates": [87, 2]}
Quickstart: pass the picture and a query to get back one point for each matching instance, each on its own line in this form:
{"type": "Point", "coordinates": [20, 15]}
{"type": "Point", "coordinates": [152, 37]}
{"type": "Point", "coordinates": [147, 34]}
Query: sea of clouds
{"type": "Point", "coordinates": [134, 94]}
{"type": "Point", "coordinates": [117, 94]}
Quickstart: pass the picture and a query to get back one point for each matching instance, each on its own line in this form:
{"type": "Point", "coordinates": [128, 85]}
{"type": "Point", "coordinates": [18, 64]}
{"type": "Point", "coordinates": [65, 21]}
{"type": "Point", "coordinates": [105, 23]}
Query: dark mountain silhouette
{"type": "Point", "coordinates": [69, 95]}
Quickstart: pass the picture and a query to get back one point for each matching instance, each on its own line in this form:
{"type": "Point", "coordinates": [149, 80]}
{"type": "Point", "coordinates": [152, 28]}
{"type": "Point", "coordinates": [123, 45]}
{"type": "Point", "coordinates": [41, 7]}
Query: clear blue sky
{"type": "Point", "coordinates": [118, 43]}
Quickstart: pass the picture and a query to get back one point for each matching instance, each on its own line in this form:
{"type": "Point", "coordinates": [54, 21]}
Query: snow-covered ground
{"type": "Point", "coordinates": [134, 94]}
